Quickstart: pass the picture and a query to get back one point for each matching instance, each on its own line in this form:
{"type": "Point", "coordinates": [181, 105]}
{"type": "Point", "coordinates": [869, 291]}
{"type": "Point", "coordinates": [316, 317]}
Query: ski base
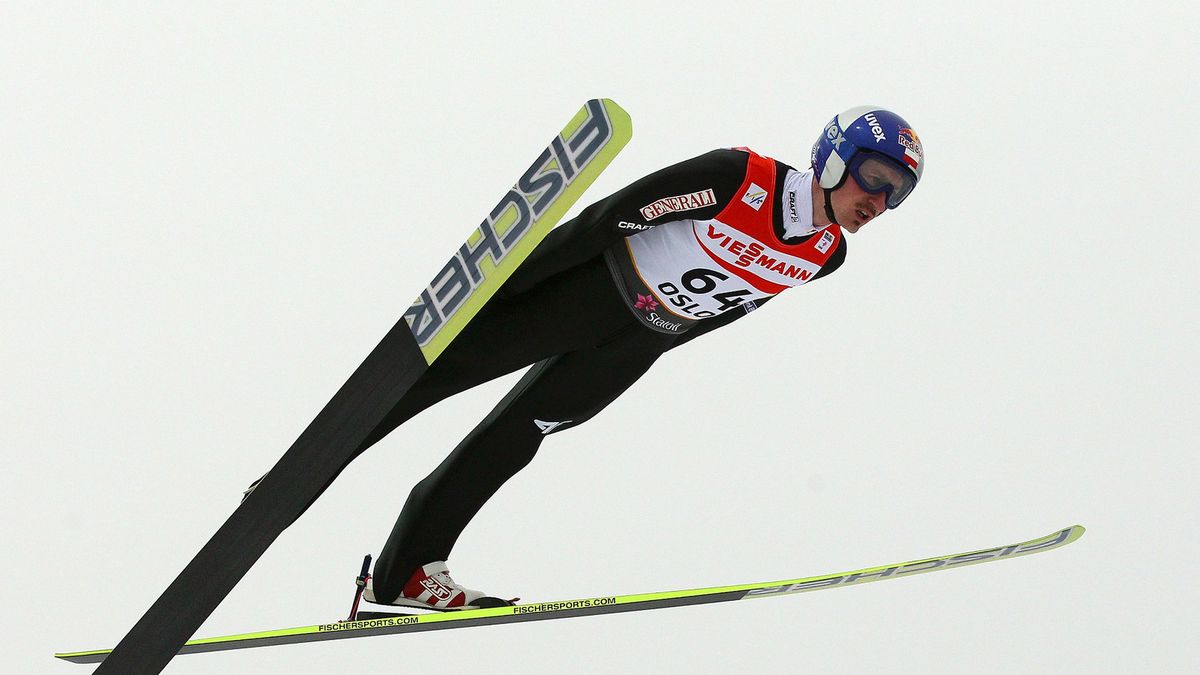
{"type": "Point", "coordinates": [388, 623]}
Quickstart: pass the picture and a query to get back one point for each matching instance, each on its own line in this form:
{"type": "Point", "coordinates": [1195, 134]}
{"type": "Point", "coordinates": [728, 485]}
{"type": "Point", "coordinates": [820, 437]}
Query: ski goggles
{"type": "Point", "coordinates": [877, 173]}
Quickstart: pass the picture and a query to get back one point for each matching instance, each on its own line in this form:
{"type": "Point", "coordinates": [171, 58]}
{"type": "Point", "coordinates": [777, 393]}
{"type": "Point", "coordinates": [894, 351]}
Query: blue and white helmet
{"type": "Point", "coordinates": [863, 132]}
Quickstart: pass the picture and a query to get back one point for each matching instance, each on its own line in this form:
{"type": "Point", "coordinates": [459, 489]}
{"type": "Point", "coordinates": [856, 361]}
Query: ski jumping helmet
{"type": "Point", "coordinates": [870, 144]}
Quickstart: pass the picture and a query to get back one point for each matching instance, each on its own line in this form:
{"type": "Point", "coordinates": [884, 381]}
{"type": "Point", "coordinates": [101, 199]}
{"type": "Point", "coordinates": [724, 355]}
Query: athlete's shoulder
{"type": "Point", "coordinates": [740, 156]}
{"type": "Point", "coordinates": [731, 162]}
{"type": "Point", "coordinates": [724, 160]}
{"type": "Point", "coordinates": [782, 168]}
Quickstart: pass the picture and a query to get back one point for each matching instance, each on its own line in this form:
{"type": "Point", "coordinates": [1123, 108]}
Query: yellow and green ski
{"type": "Point", "coordinates": [501, 242]}
{"type": "Point", "coordinates": [380, 623]}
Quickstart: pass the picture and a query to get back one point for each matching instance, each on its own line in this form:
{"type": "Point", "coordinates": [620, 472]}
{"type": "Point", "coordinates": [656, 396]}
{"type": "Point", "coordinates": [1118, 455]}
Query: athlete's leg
{"type": "Point", "coordinates": [578, 308]}
{"type": "Point", "coordinates": [558, 393]}
{"type": "Point", "coordinates": [573, 309]}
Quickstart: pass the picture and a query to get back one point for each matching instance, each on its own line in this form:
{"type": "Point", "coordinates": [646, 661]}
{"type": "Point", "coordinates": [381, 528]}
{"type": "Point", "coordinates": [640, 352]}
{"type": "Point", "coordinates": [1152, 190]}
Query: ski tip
{"type": "Point", "coordinates": [620, 118]}
{"type": "Point", "coordinates": [1056, 539]}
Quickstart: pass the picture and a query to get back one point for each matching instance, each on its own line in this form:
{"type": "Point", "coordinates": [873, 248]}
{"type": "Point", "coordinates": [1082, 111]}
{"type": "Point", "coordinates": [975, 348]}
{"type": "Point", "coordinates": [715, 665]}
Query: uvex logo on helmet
{"type": "Point", "coordinates": [834, 133]}
{"type": "Point", "coordinates": [875, 128]}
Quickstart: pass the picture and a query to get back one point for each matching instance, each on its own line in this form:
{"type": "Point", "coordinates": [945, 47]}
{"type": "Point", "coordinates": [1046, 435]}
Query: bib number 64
{"type": "Point", "coordinates": [702, 281]}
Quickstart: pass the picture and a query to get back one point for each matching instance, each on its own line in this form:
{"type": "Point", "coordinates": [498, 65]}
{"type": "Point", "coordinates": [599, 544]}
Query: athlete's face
{"type": "Point", "coordinates": [854, 206]}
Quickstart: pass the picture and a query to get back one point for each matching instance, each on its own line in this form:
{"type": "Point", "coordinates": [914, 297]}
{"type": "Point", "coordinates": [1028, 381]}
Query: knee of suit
{"type": "Point", "coordinates": [554, 422]}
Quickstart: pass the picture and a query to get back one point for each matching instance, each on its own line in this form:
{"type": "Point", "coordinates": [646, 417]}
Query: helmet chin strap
{"type": "Point", "coordinates": [829, 206]}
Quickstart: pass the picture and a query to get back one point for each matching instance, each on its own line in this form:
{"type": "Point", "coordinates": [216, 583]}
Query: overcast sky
{"type": "Point", "coordinates": [211, 213]}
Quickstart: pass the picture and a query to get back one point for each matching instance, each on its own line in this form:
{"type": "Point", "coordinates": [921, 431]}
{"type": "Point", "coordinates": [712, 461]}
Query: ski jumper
{"type": "Point", "coordinates": [684, 251]}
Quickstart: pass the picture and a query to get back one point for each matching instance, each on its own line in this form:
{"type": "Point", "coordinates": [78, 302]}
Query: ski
{"type": "Point", "coordinates": [497, 247]}
{"type": "Point", "coordinates": [387, 623]}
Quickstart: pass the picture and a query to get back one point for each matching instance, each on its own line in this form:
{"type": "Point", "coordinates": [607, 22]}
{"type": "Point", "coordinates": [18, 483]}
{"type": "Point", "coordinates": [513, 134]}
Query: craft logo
{"type": "Point", "coordinates": [825, 243]}
{"type": "Point", "coordinates": [559, 164]}
{"type": "Point", "coordinates": [755, 196]}
{"type": "Point", "coordinates": [626, 225]}
{"type": "Point", "coordinates": [913, 152]}
{"type": "Point", "coordinates": [694, 200]}
{"type": "Point", "coordinates": [792, 206]}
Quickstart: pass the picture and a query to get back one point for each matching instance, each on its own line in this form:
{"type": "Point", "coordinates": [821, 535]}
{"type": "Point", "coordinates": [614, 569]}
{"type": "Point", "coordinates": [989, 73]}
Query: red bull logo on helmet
{"type": "Point", "coordinates": [913, 152]}
{"type": "Point", "coordinates": [908, 138]}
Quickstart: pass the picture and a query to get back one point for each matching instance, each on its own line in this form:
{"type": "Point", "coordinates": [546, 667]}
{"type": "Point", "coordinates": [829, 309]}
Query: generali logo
{"type": "Point", "coordinates": [693, 200]}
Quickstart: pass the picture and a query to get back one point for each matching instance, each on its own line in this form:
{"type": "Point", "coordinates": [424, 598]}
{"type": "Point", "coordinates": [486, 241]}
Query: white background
{"type": "Point", "coordinates": [212, 212]}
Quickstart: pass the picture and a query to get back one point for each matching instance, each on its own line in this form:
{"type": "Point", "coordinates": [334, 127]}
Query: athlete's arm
{"type": "Point", "coordinates": [621, 214]}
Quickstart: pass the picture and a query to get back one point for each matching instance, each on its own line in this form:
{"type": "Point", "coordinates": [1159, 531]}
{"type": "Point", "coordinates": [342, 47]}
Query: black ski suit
{"type": "Point", "coordinates": [563, 313]}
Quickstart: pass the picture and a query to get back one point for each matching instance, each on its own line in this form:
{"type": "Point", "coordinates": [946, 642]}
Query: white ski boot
{"type": "Point", "coordinates": [431, 587]}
